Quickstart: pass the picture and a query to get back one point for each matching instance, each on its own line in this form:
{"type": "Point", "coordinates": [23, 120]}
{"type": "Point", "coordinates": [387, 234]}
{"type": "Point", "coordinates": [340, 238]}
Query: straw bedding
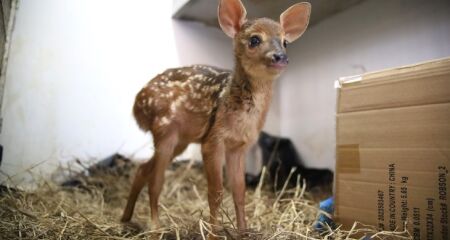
{"type": "Point", "coordinates": [89, 206]}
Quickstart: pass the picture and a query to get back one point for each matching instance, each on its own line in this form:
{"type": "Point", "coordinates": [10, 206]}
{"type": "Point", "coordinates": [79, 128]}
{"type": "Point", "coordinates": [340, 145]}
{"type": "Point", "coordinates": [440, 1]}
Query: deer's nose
{"type": "Point", "coordinates": [280, 58]}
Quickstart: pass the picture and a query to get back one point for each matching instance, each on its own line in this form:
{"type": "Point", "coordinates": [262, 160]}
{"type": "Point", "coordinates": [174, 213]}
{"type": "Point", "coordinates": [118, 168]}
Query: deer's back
{"type": "Point", "coordinates": [182, 98]}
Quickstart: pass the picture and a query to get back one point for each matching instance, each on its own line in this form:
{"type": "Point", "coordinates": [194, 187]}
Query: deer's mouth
{"type": "Point", "coordinates": [279, 65]}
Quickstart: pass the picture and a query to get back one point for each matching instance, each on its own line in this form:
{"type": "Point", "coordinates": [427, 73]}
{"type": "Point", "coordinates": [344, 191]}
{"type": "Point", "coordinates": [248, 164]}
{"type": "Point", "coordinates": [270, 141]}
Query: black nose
{"type": "Point", "coordinates": [280, 58]}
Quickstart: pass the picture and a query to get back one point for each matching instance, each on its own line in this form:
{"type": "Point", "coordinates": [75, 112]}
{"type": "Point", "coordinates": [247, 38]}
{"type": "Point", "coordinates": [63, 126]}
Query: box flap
{"type": "Point", "coordinates": [426, 83]}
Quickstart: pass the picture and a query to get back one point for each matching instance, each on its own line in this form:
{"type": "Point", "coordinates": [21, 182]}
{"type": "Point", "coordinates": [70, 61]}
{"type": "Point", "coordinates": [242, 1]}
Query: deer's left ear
{"type": "Point", "coordinates": [295, 19]}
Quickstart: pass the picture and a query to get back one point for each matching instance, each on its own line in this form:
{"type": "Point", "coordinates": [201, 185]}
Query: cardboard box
{"type": "Point", "coordinates": [393, 149]}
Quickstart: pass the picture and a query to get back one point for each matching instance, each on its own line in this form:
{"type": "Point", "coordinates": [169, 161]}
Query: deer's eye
{"type": "Point", "coordinates": [285, 43]}
{"type": "Point", "coordinates": [254, 41]}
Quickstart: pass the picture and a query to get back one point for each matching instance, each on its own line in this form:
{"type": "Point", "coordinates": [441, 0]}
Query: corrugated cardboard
{"type": "Point", "coordinates": [393, 149]}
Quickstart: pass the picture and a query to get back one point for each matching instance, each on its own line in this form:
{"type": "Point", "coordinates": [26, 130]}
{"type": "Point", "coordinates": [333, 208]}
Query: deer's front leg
{"type": "Point", "coordinates": [213, 157]}
{"type": "Point", "coordinates": [235, 170]}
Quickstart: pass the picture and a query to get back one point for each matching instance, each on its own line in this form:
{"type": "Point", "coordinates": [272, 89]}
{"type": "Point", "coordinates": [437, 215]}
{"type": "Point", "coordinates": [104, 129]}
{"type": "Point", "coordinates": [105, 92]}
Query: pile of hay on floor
{"type": "Point", "coordinates": [90, 206]}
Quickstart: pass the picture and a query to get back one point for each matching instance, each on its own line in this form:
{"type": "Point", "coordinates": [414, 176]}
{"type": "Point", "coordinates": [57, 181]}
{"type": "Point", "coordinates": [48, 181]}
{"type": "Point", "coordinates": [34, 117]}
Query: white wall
{"type": "Point", "coordinates": [74, 69]}
{"type": "Point", "coordinates": [373, 35]}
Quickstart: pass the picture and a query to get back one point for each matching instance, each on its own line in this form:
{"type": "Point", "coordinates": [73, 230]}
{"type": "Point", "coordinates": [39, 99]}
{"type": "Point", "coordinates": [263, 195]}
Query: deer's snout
{"type": "Point", "coordinates": [280, 58]}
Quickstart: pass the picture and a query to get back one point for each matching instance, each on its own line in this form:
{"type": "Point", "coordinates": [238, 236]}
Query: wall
{"type": "Point", "coordinates": [373, 35]}
{"type": "Point", "coordinates": [74, 69]}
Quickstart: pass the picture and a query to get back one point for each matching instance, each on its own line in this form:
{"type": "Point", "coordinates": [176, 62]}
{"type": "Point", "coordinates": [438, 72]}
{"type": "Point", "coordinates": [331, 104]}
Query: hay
{"type": "Point", "coordinates": [92, 210]}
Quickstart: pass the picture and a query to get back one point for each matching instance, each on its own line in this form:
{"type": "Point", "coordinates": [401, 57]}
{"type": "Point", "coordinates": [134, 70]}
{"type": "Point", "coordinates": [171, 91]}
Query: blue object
{"type": "Point", "coordinates": [326, 206]}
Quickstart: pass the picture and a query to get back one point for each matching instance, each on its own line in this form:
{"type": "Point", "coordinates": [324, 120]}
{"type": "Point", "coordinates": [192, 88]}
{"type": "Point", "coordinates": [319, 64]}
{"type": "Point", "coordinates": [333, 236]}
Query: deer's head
{"type": "Point", "coordinates": [260, 44]}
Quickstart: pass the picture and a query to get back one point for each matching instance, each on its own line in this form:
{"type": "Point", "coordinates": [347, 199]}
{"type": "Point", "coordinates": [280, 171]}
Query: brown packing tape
{"type": "Point", "coordinates": [348, 158]}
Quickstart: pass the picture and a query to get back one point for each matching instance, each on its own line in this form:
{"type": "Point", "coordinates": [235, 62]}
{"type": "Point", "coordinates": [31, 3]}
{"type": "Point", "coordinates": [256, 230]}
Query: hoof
{"type": "Point", "coordinates": [132, 227]}
{"type": "Point", "coordinates": [125, 220]}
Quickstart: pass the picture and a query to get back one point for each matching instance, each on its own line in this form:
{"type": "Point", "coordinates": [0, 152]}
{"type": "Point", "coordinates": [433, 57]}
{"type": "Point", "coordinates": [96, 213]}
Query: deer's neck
{"type": "Point", "coordinates": [250, 92]}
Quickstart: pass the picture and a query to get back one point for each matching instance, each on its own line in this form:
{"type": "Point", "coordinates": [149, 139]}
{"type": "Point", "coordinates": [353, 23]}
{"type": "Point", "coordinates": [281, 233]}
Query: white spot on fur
{"type": "Point", "coordinates": [177, 103]}
{"type": "Point", "coordinates": [198, 76]}
{"type": "Point", "coordinates": [222, 93]}
{"type": "Point", "coordinates": [164, 121]}
{"type": "Point", "coordinates": [215, 88]}
{"type": "Point", "coordinates": [149, 101]}
{"type": "Point", "coordinates": [210, 69]}
{"type": "Point", "coordinates": [172, 84]}
{"type": "Point", "coordinates": [189, 106]}
{"type": "Point", "coordinates": [173, 107]}
{"type": "Point", "coordinates": [213, 71]}
{"type": "Point", "coordinates": [196, 95]}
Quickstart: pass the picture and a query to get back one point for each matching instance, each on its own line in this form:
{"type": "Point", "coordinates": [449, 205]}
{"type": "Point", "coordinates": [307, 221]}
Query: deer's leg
{"type": "Point", "coordinates": [213, 157]}
{"type": "Point", "coordinates": [164, 148]}
{"type": "Point", "coordinates": [140, 179]}
{"type": "Point", "coordinates": [156, 181]}
{"type": "Point", "coordinates": [235, 170]}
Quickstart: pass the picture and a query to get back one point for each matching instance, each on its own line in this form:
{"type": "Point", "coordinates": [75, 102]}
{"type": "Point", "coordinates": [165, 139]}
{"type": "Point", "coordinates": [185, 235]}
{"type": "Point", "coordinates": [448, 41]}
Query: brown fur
{"type": "Point", "coordinates": [223, 111]}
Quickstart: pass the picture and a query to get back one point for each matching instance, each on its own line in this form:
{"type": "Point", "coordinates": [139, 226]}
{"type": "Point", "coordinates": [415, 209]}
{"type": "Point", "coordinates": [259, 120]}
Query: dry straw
{"type": "Point", "coordinates": [92, 210]}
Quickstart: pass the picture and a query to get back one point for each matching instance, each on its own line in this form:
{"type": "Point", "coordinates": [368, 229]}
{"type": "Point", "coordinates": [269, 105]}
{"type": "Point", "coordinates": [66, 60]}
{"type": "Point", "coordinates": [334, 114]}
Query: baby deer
{"type": "Point", "coordinates": [222, 110]}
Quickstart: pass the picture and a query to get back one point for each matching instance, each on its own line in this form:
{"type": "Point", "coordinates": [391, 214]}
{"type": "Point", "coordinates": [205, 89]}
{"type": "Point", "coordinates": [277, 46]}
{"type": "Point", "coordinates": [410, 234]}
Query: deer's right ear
{"type": "Point", "coordinates": [231, 14]}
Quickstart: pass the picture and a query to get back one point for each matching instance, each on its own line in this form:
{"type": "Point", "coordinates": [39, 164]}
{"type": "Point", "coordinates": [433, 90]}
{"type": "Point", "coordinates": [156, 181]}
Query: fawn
{"type": "Point", "coordinates": [222, 110]}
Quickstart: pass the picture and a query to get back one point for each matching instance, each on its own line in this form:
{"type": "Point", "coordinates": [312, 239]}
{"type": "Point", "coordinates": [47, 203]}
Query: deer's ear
{"type": "Point", "coordinates": [231, 14]}
{"type": "Point", "coordinates": [295, 19]}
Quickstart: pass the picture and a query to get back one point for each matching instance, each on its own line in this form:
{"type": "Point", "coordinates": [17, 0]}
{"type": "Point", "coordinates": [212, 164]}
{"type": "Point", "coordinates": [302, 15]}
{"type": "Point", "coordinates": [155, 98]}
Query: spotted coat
{"type": "Point", "coordinates": [193, 91]}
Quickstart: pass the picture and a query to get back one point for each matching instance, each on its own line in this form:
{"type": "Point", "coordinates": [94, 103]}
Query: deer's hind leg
{"type": "Point", "coordinates": [156, 180]}
{"type": "Point", "coordinates": [152, 172]}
